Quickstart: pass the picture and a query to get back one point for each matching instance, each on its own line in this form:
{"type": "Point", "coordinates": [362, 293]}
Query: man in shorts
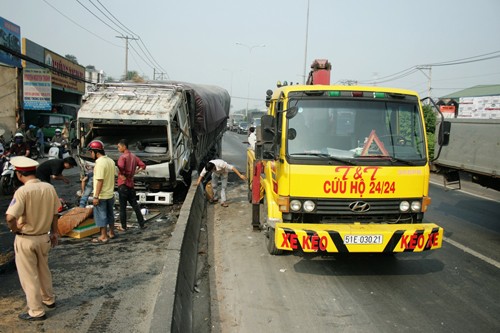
{"type": "Point", "coordinates": [104, 187]}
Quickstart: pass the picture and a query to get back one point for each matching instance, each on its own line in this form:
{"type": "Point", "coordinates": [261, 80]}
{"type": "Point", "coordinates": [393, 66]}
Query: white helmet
{"type": "Point", "coordinates": [19, 135]}
{"type": "Point", "coordinates": [58, 130]}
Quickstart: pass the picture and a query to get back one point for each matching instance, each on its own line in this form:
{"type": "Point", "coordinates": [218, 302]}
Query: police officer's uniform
{"type": "Point", "coordinates": [34, 206]}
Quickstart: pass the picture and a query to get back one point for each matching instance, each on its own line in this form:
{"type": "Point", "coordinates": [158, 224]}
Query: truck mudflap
{"type": "Point", "coordinates": [366, 238]}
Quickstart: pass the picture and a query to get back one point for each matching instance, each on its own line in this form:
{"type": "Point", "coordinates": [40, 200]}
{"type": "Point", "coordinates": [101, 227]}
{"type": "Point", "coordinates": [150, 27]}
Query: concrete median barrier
{"type": "Point", "coordinates": [173, 310]}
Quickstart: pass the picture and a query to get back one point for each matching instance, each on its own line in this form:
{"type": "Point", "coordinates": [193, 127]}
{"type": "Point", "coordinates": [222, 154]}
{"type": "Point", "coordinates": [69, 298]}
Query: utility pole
{"type": "Point", "coordinates": [126, 52]}
{"type": "Point", "coordinates": [158, 76]}
{"type": "Point", "coordinates": [250, 48]}
{"type": "Point", "coordinates": [429, 88]}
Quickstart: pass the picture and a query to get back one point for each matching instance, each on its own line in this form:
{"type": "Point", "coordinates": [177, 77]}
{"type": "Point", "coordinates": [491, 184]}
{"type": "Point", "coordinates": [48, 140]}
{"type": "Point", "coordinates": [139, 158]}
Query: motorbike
{"type": "Point", "coordinates": [34, 150]}
{"type": "Point", "coordinates": [54, 151]}
{"type": "Point", "coordinates": [8, 178]}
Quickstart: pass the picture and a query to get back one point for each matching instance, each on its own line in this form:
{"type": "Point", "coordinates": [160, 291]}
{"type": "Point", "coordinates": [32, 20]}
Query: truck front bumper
{"type": "Point", "coordinates": [357, 237]}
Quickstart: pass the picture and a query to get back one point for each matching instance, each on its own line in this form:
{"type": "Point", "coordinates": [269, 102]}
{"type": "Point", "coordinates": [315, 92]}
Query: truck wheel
{"type": "Point", "coordinates": [270, 244]}
{"type": "Point", "coordinates": [269, 232]}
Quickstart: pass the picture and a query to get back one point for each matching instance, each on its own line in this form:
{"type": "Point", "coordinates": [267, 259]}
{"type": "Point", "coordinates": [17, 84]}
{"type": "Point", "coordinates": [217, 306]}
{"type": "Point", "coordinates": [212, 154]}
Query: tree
{"type": "Point", "coordinates": [430, 126]}
{"type": "Point", "coordinates": [72, 58]}
{"type": "Point", "coordinates": [90, 67]}
{"type": "Point", "coordinates": [134, 76]}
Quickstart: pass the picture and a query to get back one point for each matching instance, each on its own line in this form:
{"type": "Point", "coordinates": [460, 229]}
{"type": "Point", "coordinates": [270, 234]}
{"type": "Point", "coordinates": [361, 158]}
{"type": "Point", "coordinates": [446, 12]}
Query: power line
{"type": "Point", "coordinates": [97, 17]}
{"type": "Point", "coordinates": [464, 60]}
{"type": "Point", "coordinates": [153, 62]}
{"type": "Point", "coordinates": [117, 20]}
{"type": "Point", "coordinates": [41, 64]}
{"type": "Point", "coordinates": [152, 59]}
{"type": "Point", "coordinates": [74, 22]}
{"type": "Point", "coordinates": [413, 69]}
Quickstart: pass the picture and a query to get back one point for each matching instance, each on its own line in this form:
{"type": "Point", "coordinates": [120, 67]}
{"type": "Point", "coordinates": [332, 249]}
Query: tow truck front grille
{"type": "Point", "coordinates": [339, 211]}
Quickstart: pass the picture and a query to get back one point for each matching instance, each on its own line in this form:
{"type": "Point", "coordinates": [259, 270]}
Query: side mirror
{"type": "Point", "coordinates": [267, 129]}
{"type": "Point", "coordinates": [444, 133]}
{"type": "Point", "coordinates": [291, 112]}
{"type": "Point", "coordinates": [265, 146]}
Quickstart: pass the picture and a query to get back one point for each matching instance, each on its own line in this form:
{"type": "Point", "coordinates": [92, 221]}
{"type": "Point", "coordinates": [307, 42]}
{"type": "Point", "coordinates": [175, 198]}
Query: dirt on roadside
{"type": "Point", "coordinates": [108, 287]}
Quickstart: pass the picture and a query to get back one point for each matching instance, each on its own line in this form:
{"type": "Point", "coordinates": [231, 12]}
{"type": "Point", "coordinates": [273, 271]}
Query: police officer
{"type": "Point", "coordinates": [32, 216]}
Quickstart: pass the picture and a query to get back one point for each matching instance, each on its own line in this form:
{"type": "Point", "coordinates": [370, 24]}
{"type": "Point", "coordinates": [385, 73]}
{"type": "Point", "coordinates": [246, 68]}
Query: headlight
{"type": "Point", "coordinates": [309, 206]}
{"type": "Point", "coordinates": [404, 206]}
{"type": "Point", "coordinates": [416, 206]}
{"type": "Point", "coordinates": [295, 205]}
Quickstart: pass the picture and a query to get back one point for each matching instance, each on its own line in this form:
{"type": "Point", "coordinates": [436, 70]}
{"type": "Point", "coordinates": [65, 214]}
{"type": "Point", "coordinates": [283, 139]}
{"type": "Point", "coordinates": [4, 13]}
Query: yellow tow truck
{"type": "Point", "coordinates": [341, 169]}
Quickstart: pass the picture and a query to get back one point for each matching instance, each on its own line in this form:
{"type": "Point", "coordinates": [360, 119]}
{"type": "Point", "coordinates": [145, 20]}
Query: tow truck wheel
{"type": "Point", "coordinates": [270, 244]}
{"type": "Point", "coordinates": [269, 232]}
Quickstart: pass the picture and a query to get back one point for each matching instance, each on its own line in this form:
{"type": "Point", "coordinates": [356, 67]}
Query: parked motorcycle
{"type": "Point", "coordinates": [54, 151]}
{"type": "Point", "coordinates": [8, 178]}
{"type": "Point", "coordinates": [34, 150]}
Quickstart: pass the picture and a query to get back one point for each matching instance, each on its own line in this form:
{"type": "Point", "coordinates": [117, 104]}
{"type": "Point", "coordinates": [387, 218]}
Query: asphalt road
{"type": "Point", "coordinates": [453, 289]}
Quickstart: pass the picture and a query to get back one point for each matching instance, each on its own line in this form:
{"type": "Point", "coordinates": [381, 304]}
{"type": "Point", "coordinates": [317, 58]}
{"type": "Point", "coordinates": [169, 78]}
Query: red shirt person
{"type": "Point", "coordinates": [128, 165]}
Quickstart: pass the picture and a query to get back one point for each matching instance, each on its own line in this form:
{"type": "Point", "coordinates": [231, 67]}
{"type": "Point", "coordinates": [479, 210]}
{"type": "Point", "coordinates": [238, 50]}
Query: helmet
{"type": "Point", "coordinates": [31, 126]}
{"type": "Point", "coordinates": [19, 135]}
{"type": "Point", "coordinates": [96, 145]}
{"type": "Point", "coordinates": [58, 130]}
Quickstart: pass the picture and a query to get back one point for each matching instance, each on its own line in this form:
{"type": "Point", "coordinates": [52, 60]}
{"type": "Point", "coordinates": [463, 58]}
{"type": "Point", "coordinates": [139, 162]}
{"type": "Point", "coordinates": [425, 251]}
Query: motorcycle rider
{"type": "Point", "coordinates": [3, 146]}
{"type": "Point", "coordinates": [58, 138]}
{"type": "Point", "coordinates": [31, 137]}
{"type": "Point", "coordinates": [19, 147]}
{"type": "Point", "coordinates": [41, 139]}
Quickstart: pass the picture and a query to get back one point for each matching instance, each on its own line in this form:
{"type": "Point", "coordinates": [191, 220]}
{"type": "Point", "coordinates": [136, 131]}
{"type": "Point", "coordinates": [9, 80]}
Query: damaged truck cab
{"type": "Point", "coordinates": [172, 127]}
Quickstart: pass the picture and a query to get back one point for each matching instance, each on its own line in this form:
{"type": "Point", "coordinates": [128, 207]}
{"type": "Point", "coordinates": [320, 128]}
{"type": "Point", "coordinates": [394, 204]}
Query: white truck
{"type": "Point", "coordinates": [171, 126]}
{"type": "Point", "coordinates": [470, 143]}
{"type": "Point", "coordinates": [470, 146]}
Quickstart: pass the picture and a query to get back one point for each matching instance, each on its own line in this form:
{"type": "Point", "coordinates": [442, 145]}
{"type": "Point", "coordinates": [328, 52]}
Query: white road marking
{"type": "Point", "coordinates": [466, 192]}
{"type": "Point", "coordinates": [472, 252]}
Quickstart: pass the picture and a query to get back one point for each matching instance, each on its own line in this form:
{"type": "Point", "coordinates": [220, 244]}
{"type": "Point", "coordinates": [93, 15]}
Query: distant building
{"type": "Point", "coordinates": [482, 102]}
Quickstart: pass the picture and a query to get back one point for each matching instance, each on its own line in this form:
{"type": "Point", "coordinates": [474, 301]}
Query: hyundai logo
{"type": "Point", "coordinates": [359, 207]}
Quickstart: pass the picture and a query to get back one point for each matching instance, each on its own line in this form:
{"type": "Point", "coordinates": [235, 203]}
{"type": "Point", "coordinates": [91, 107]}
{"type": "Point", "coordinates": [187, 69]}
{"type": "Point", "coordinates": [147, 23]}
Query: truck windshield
{"type": "Point", "coordinates": [146, 142]}
{"type": "Point", "coordinates": [357, 131]}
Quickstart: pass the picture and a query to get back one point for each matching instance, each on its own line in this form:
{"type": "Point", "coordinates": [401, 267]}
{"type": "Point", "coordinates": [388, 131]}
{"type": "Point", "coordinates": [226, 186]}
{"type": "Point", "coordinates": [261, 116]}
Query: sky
{"type": "Point", "coordinates": [247, 46]}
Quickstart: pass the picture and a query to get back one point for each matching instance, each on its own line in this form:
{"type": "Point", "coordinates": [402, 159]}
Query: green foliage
{"type": "Point", "coordinates": [430, 144]}
{"type": "Point", "coordinates": [429, 118]}
{"type": "Point", "coordinates": [134, 76]}
{"type": "Point", "coordinates": [72, 58]}
{"type": "Point", "coordinates": [430, 127]}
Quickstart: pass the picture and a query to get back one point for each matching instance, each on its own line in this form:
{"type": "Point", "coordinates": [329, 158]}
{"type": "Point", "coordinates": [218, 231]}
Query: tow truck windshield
{"type": "Point", "coordinates": [357, 131]}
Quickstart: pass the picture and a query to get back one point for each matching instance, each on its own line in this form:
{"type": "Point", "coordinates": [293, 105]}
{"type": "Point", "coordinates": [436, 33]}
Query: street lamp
{"type": "Point", "coordinates": [305, 49]}
{"type": "Point", "coordinates": [250, 48]}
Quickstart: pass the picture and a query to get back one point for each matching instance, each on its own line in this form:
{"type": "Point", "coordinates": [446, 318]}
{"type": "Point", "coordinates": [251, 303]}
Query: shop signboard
{"type": "Point", "coordinates": [37, 89]}
{"type": "Point", "coordinates": [10, 36]}
{"type": "Point", "coordinates": [64, 82]}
